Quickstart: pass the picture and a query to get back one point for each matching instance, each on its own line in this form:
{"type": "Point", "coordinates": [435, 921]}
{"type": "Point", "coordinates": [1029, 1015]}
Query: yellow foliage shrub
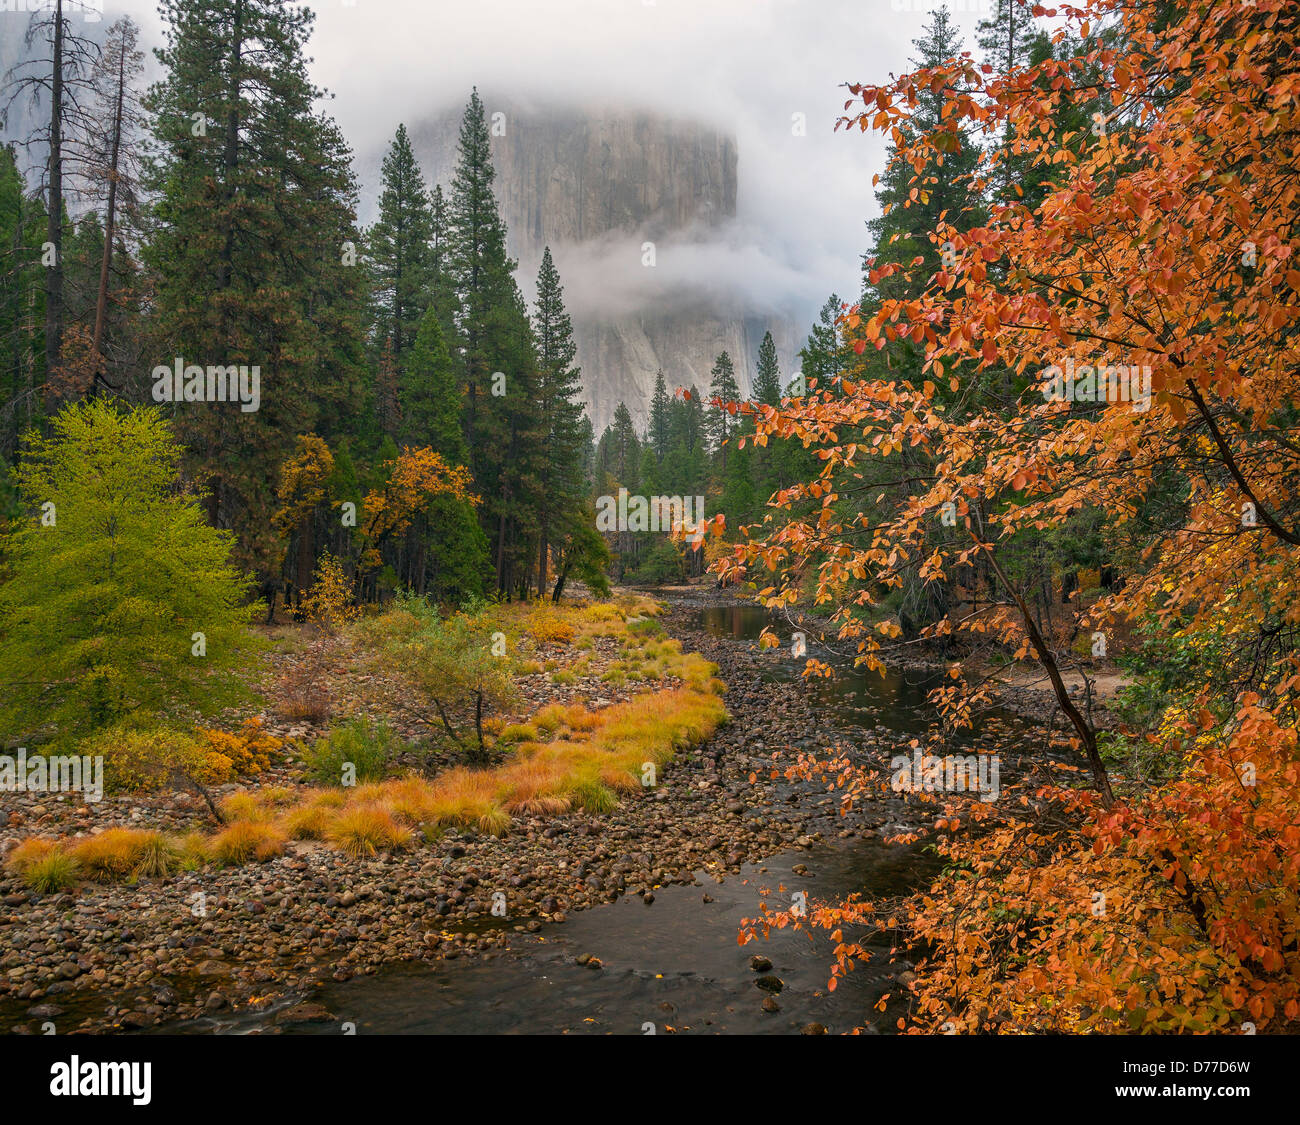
{"type": "Point", "coordinates": [550, 628]}
{"type": "Point", "coordinates": [250, 750]}
{"type": "Point", "coordinates": [153, 758]}
{"type": "Point", "coordinates": [330, 603]}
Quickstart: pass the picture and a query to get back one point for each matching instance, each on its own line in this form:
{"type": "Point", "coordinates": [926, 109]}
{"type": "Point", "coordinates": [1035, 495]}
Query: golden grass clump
{"type": "Point", "coordinates": [157, 857]}
{"type": "Point", "coordinates": [43, 865]}
{"type": "Point", "coordinates": [119, 853]}
{"type": "Point", "coordinates": [30, 852]}
{"type": "Point", "coordinates": [366, 830]}
{"type": "Point", "coordinates": [244, 806]}
{"type": "Point", "coordinates": [495, 822]}
{"type": "Point", "coordinates": [518, 732]}
{"type": "Point", "coordinates": [548, 720]}
{"type": "Point", "coordinates": [578, 718]}
{"type": "Point", "coordinates": [650, 728]}
{"type": "Point", "coordinates": [310, 822]}
{"type": "Point", "coordinates": [194, 850]}
{"type": "Point", "coordinates": [594, 797]}
{"type": "Point", "coordinates": [57, 871]}
{"type": "Point", "coordinates": [462, 796]}
{"type": "Point", "coordinates": [601, 612]}
{"type": "Point", "coordinates": [409, 799]}
{"type": "Point", "coordinates": [532, 786]}
{"type": "Point", "coordinates": [247, 840]}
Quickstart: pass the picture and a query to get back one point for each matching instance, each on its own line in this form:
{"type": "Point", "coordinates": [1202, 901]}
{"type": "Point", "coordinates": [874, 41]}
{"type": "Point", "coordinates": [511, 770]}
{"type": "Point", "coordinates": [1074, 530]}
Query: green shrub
{"type": "Point", "coordinates": [646, 627]}
{"type": "Point", "coordinates": [142, 757]}
{"type": "Point", "coordinates": [370, 750]}
{"type": "Point", "coordinates": [517, 732]}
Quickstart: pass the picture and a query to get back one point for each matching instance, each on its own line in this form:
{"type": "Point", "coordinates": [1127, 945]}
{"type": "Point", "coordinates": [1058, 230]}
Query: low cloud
{"type": "Point", "coordinates": [729, 270]}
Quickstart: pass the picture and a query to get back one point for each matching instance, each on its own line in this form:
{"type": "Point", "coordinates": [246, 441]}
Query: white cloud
{"type": "Point", "coordinates": [743, 65]}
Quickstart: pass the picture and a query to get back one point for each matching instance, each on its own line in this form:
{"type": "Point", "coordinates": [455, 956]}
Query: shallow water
{"type": "Point", "coordinates": [895, 701]}
{"type": "Point", "coordinates": [673, 966]}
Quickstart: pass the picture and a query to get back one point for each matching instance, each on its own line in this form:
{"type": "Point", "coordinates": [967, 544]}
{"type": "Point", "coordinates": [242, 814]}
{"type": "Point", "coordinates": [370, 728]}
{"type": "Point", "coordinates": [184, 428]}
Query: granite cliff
{"type": "Point", "coordinates": [597, 186]}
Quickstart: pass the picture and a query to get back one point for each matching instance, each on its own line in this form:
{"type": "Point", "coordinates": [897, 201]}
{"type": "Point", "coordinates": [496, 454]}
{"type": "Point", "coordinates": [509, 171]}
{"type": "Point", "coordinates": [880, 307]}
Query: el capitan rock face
{"type": "Point", "coordinates": [596, 186]}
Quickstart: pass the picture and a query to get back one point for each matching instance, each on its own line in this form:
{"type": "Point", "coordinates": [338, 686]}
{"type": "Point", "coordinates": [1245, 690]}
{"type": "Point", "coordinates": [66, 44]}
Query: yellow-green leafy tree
{"type": "Point", "coordinates": [116, 597]}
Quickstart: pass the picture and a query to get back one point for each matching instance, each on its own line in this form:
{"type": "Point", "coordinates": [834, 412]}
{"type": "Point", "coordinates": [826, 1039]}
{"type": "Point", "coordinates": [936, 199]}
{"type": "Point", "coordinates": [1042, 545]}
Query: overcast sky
{"type": "Point", "coordinates": [745, 65]}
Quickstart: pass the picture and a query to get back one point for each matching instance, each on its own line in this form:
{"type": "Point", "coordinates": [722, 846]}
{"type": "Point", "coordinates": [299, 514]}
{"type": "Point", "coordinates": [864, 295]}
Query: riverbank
{"type": "Point", "coordinates": [224, 944]}
{"type": "Point", "coordinates": [127, 956]}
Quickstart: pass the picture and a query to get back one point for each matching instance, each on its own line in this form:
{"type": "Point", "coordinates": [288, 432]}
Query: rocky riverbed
{"type": "Point", "coordinates": [214, 941]}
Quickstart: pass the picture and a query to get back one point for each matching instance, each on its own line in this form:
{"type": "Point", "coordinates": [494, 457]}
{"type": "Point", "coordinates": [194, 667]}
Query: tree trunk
{"type": "Point", "coordinates": [541, 561]}
{"type": "Point", "coordinates": [303, 567]}
{"type": "Point", "coordinates": [230, 155]}
{"type": "Point", "coordinates": [101, 299]}
{"type": "Point", "coordinates": [54, 222]}
{"type": "Point", "coordinates": [1100, 778]}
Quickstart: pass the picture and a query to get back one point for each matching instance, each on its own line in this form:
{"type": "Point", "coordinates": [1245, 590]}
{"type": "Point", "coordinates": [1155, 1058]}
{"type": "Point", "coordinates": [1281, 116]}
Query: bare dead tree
{"type": "Point", "coordinates": [119, 119]}
{"type": "Point", "coordinates": [63, 74]}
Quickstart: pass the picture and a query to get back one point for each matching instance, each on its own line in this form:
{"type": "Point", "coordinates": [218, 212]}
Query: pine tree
{"type": "Point", "coordinates": [560, 461]}
{"type": "Point", "coordinates": [737, 496]}
{"type": "Point", "coordinates": [513, 438]}
{"type": "Point", "coordinates": [399, 250]}
{"type": "Point", "coordinates": [480, 267]}
{"type": "Point", "coordinates": [626, 464]}
{"type": "Point", "coordinates": [721, 422]}
{"type": "Point", "coordinates": [767, 383]}
{"type": "Point", "coordinates": [1011, 40]}
{"type": "Point", "coordinates": [1011, 36]}
{"type": "Point", "coordinates": [904, 231]}
{"type": "Point", "coordinates": [661, 418]}
{"type": "Point", "coordinates": [906, 237]}
{"type": "Point", "coordinates": [442, 278]}
{"type": "Point", "coordinates": [505, 430]}
{"type": "Point", "coordinates": [254, 214]}
{"type": "Point", "coordinates": [618, 458]}
{"type": "Point", "coordinates": [22, 308]}
{"type": "Point", "coordinates": [428, 396]}
{"type": "Point", "coordinates": [694, 438]}
{"type": "Point", "coordinates": [820, 358]}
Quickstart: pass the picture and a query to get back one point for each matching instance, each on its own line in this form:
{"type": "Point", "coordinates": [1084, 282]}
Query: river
{"type": "Point", "coordinates": [674, 965]}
